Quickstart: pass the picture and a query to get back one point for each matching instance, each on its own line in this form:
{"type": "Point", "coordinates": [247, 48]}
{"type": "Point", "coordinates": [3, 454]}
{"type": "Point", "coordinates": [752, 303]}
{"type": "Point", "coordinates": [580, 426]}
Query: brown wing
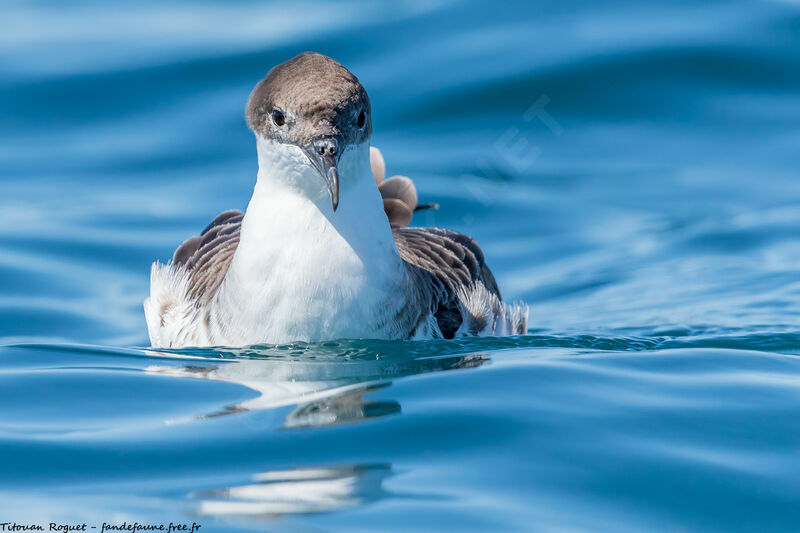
{"type": "Point", "coordinates": [208, 256]}
{"type": "Point", "coordinates": [448, 263]}
{"type": "Point", "coordinates": [444, 262]}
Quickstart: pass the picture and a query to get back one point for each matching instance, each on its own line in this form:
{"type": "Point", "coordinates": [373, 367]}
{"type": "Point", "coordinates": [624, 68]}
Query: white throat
{"type": "Point", "coordinates": [302, 271]}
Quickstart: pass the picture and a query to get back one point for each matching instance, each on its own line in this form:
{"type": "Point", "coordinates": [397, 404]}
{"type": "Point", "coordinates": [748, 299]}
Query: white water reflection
{"type": "Point", "coordinates": [325, 391]}
{"type": "Point", "coordinates": [303, 490]}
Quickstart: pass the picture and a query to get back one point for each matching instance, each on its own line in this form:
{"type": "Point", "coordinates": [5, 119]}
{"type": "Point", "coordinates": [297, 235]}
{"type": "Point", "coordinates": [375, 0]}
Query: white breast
{"type": "Point", "coordinates": [303, 272]}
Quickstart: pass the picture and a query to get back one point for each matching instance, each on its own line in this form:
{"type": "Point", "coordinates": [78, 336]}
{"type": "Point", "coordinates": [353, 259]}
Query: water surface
{"type": "Point", "coordinates": [631, 171]}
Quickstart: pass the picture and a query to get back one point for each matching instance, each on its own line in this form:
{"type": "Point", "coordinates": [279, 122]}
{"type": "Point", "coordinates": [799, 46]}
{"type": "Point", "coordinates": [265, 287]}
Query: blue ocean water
{"type": "Point", "coordinates": [630, 170]}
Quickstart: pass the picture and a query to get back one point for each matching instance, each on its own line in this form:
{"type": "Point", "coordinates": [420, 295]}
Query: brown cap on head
{"type": "Point", "coordinates": [316, 104]}
{"type": "Point", "coordinates": [313, 96]}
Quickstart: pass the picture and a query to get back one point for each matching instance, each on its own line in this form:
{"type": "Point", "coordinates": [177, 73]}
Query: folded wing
{"type": "Point", "coordinates": [455, 284]}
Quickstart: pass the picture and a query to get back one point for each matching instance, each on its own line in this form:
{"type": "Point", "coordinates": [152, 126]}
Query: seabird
{"type": "Point", "coordinates": [321, 252]}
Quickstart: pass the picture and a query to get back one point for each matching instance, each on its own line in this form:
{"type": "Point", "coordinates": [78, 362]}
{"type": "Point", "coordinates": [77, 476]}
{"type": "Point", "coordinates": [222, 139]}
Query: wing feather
{"type": "Point", "coordinates": [207, 257]}
{"type": "Point", "coordinates": [452, 281]}
{"type": "Point", "coordinates": [453, 276]}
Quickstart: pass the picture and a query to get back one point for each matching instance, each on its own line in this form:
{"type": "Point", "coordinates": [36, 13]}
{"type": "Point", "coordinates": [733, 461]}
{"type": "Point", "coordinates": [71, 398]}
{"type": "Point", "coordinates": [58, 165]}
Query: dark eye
{"type": "Point", "coordinates": [362, 119]}
{"type": "Point", "coordinates": [278, 117]}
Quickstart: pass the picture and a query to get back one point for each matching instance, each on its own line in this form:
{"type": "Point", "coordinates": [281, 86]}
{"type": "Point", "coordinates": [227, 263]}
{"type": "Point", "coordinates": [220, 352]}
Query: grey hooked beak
{"type": "Point", "coordinates": [323, 152]}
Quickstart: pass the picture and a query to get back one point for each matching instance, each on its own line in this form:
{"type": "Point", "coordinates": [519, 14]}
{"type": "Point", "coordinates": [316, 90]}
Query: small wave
{"type": "Point", "coordinates": [371, 349]}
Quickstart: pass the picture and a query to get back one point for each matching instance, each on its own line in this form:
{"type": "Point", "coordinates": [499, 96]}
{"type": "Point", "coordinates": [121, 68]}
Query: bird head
{"type": "Point", "coordinates": [313, 104]}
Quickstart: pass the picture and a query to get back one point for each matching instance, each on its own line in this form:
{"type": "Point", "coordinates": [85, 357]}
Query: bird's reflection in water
{"type": "Point", "coordinates": [303, 490]}
{"type": "Point", "coordinates": [348, 406]}
{"type": "Point", "coordinates": [324, 390]}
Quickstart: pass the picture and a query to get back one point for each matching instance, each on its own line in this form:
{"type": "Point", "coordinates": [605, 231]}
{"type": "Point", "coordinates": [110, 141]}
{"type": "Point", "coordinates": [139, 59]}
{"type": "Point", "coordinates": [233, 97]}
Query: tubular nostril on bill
{"type": "Point", "coordinates": [326, 146]}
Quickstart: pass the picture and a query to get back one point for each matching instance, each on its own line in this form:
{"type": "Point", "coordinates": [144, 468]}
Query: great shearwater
{"type": "Point", "coordinates": [321, 252]}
